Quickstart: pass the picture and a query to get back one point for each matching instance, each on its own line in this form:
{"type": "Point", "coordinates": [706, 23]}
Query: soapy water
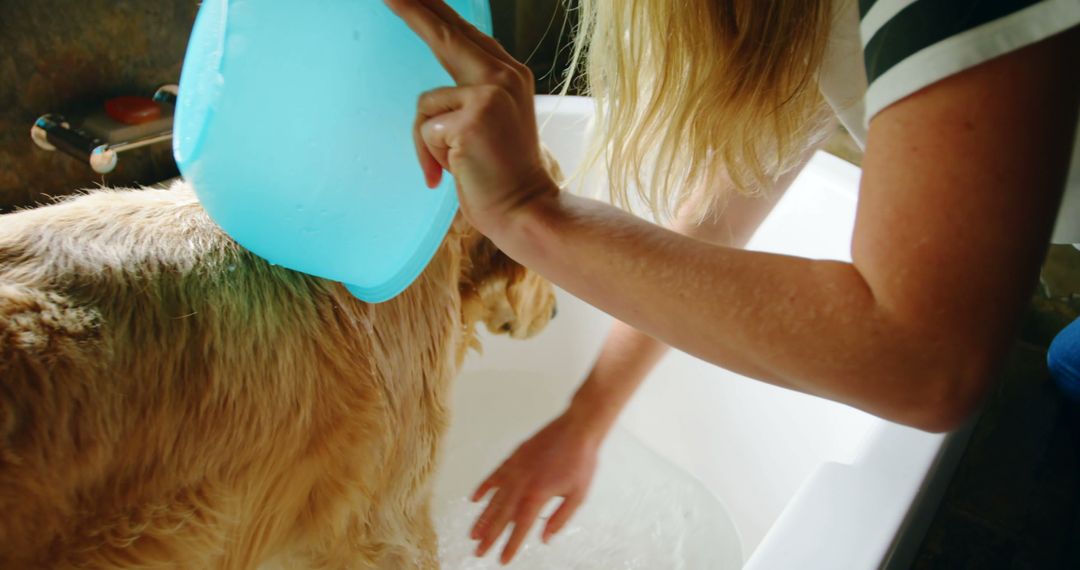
{"type": "Point", "coordinates": [642, 512]}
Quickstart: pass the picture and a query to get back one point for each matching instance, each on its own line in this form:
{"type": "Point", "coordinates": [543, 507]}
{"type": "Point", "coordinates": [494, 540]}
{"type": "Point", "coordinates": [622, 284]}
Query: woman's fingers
{"type": "Point", "coordinates": [431, 144]}
{"type": "Point", "coordinates": [431, 166]}
{"type": "Point", "coordinates": [444, 115]}
{"type": "Point", "coordinates": [484, 487]}
{"type": "Point", "coordinates": [483, 522]}
{"type": "Point", "coordinates": [480, 526]}
{"type": "Point", "coordinates": [527, 511]}
{"type": "Point", "coordinates": [566, 510]}
{"type": "Point", "coordinates": [467, 62]}
{"type": "Point", "coordinates": [484, 130]}
{"type": "Point", "coordinates": [495, 519]}
{"type": "Point", "coordinates": [484, 41]}
{"type": "Point", "coordinates": [437, 112]}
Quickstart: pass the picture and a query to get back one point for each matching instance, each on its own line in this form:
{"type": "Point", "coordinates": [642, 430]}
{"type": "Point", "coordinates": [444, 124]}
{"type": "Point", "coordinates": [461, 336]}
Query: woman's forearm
{"type": "Point", "coordinates": [627, 357]}
{"type": "Point", "coordinates": [810, 325]}
{"type": "Point", "coordinates": [961, 186]}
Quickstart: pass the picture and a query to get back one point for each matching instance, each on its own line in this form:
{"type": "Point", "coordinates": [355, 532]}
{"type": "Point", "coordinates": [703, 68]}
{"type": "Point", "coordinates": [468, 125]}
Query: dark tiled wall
{"type": "Point", "coordinates": [539, 32]}
{"type": "Point", "coordinates": [60, 55]}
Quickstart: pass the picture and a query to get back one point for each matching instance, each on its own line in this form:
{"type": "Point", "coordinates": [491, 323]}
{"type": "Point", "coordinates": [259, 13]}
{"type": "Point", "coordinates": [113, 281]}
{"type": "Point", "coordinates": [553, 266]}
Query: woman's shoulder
{"type": "Point", "coordinates": [881, 51]}
{"type": "Point", "coordinates": [908, 45]}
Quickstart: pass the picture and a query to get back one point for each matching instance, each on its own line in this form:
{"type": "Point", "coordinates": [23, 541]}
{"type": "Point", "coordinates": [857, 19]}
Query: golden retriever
{"type": "Point", "coordinates": [169, 400]}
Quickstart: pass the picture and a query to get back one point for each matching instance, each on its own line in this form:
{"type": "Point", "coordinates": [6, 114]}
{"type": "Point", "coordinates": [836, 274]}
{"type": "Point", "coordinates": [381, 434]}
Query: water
{"type": "Point", "coordinates": [642, 511]}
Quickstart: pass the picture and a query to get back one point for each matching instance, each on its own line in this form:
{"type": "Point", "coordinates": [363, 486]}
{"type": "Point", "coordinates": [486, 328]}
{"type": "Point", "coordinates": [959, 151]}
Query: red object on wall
{"type": "Point", "coordinates": [132, 110]}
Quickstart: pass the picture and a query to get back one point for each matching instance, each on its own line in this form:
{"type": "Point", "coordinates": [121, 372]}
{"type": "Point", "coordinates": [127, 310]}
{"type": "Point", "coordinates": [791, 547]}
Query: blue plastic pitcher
{"type": "Point", "coordinates": [294, 122]}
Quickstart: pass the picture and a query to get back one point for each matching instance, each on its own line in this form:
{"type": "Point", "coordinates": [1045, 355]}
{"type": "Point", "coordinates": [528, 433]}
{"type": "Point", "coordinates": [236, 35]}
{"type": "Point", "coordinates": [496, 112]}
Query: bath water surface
{"type": "Point", "coordinates": [642, 511]}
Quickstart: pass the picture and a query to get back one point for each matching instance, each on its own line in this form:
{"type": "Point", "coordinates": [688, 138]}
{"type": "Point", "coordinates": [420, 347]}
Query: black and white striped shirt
{"type": "Point", "coordinates": [881, 51]}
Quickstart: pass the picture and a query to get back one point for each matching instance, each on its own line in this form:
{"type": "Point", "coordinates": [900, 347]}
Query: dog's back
{"type": "Point", "coordinates": [168, 398]}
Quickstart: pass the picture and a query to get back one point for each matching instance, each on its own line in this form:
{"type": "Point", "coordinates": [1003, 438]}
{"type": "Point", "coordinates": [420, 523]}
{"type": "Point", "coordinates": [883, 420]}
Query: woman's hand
{"type": "Point", "coordinates": [483, 130]}
{"type": "Point", "coordinates": [558, 461]}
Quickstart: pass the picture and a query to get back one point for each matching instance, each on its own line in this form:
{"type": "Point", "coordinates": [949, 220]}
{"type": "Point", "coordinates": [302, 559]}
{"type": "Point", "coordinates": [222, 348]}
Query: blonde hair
{"type": "Point", "coordinates": [690, 91]}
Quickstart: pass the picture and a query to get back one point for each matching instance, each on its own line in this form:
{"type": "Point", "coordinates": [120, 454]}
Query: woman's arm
{"type": "Point", "coordinates": [960, 188]}
{"type": "Point", "coordinates": [560, 459]}
{"type": "Point", "coordinates": [628, 355]}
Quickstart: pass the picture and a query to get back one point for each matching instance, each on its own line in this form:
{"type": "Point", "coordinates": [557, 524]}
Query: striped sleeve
{"type": "Point", "coordinates": [910, 44]}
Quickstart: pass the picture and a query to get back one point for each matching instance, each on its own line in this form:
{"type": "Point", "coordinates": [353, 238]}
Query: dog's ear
{"type": "Point", "coordinates": [461, 227]}
{"type": "Point", "coordinates": [489, 262]}
{"type": "Point", "coordinates": [486, 281]}
{"type": "Point", "coordinates": [506, 297]}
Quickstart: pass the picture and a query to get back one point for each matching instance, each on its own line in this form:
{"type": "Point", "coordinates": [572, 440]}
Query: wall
{"type": "Point", "coordinates": [58, 55]}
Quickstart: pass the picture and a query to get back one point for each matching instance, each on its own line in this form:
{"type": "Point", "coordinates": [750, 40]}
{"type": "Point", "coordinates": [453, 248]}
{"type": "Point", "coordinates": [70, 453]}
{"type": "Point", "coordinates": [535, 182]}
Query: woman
{"type": "Point", "coordinates": [967, 111]}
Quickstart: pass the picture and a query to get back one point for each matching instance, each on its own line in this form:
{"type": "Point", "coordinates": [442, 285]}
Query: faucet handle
{"type": "Point", "coordinates": [121, 124]}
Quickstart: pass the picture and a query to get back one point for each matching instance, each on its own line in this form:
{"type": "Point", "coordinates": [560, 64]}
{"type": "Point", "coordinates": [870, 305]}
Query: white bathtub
{"type": "Point", "coordinates": [808, 483]}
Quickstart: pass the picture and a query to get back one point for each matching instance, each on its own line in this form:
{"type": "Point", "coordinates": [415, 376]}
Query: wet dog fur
{"type": "Point", "coordinates": [169, 400]}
